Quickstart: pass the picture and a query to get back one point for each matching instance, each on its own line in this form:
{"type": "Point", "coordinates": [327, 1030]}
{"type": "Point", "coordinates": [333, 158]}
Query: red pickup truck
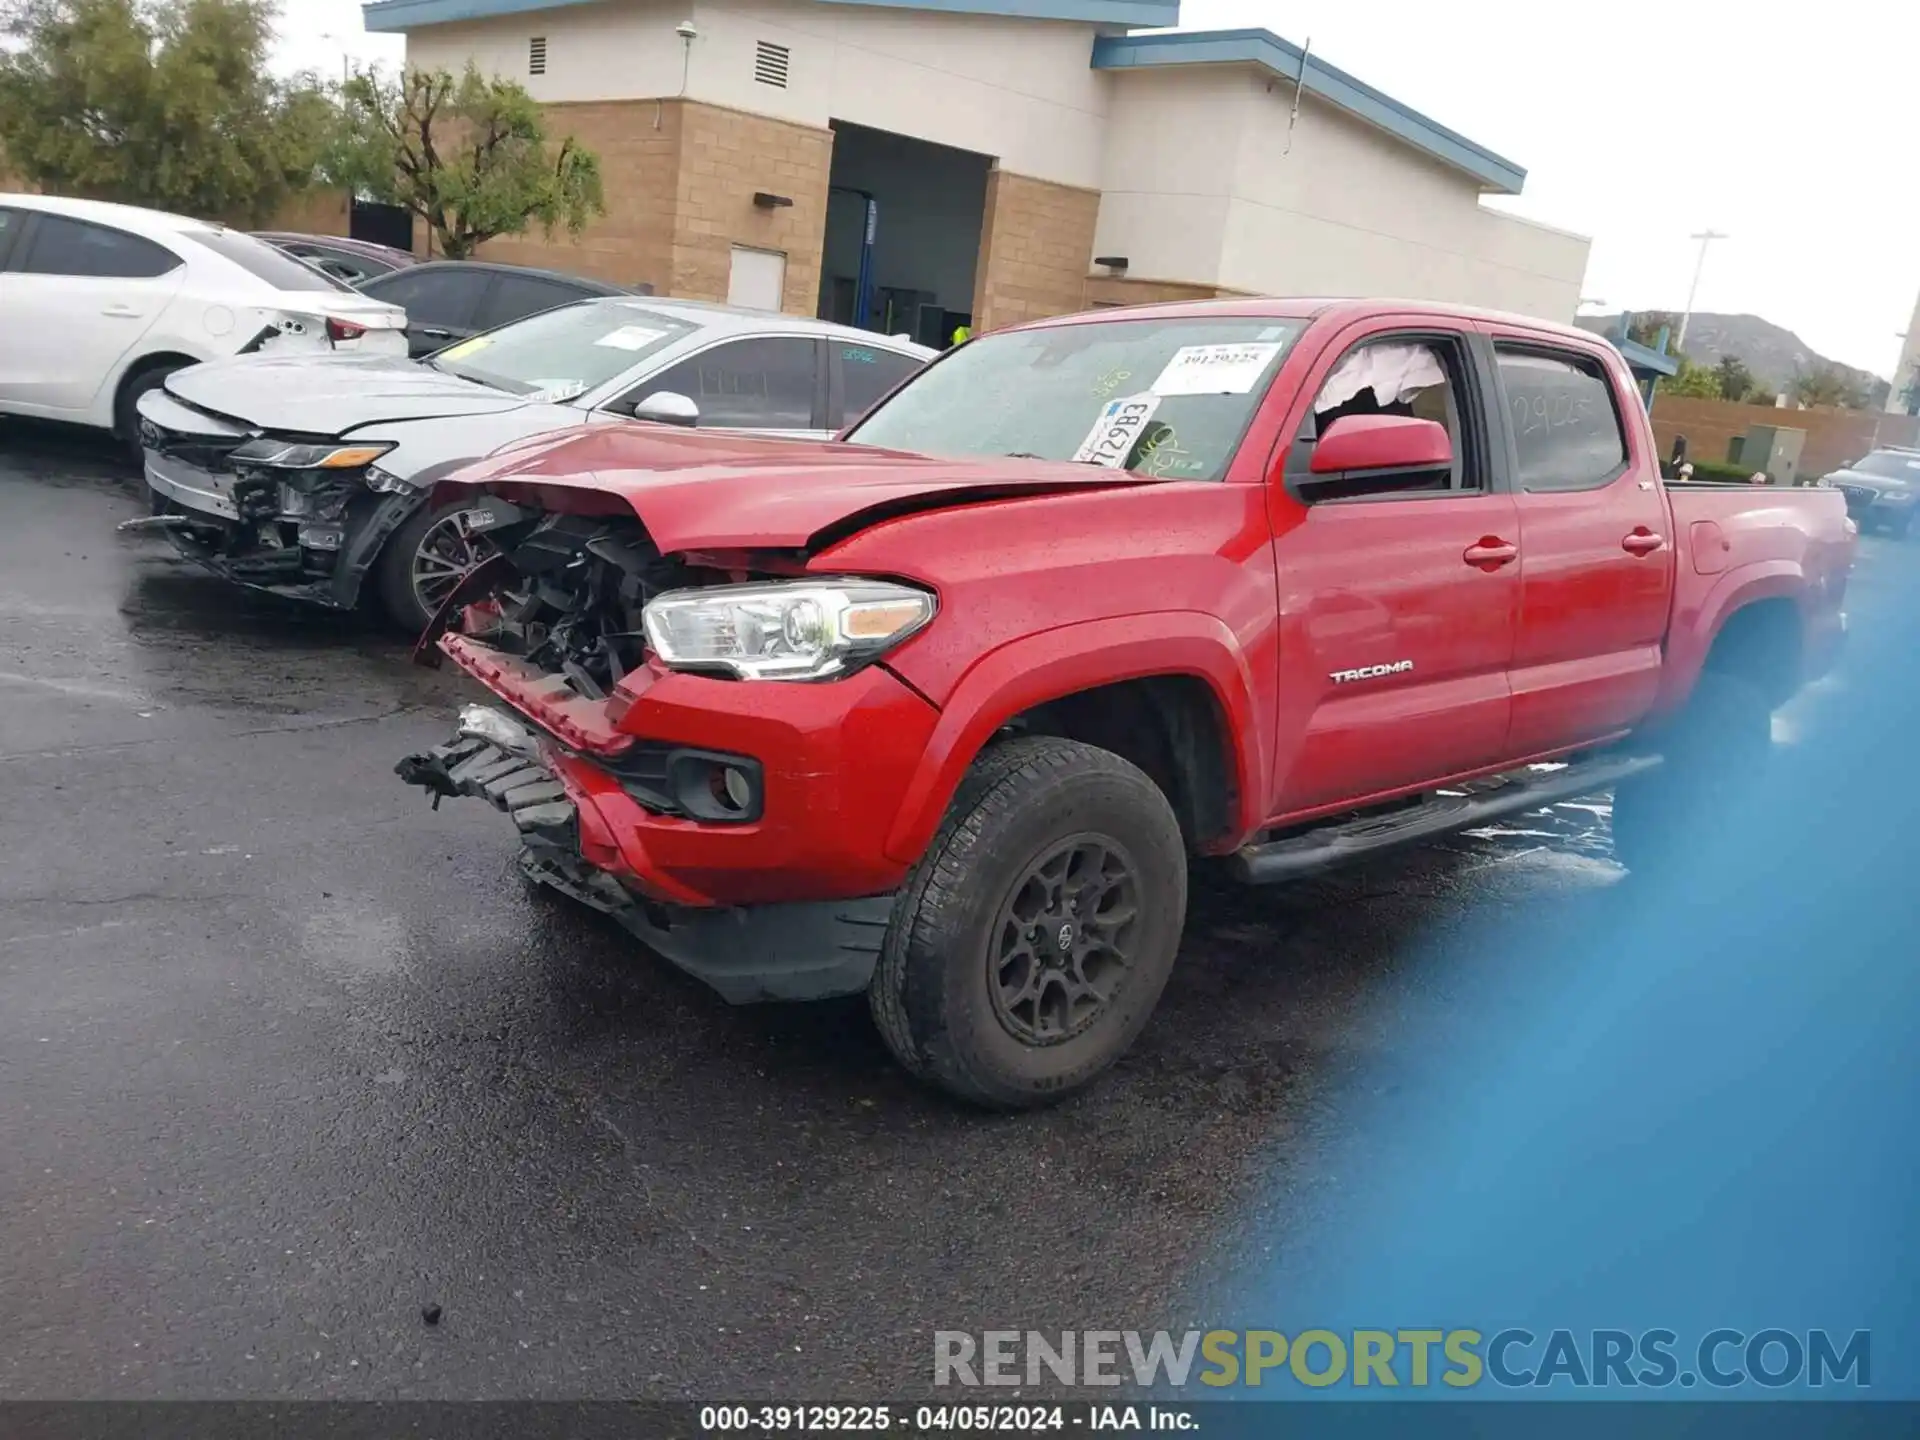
{"type": "Point", "coordinates": [943, 710]}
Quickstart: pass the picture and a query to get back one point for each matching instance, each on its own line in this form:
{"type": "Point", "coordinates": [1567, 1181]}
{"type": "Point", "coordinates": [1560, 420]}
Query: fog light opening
{"type": "Point", "coordinates": [730, 788]}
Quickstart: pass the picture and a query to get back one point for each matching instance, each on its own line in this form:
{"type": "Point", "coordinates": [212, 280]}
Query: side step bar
{"type": "Point", "coordinates": [1482, 801]}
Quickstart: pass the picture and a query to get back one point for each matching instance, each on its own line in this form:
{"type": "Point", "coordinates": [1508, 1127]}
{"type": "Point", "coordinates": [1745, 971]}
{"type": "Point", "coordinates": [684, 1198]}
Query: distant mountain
{"type": "Point", "coordinates": [1773, 354]}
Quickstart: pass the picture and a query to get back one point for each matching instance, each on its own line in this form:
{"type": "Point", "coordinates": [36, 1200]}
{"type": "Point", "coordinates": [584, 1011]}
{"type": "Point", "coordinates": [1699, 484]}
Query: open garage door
{"type": "Point", "coordinates": [903, 234]}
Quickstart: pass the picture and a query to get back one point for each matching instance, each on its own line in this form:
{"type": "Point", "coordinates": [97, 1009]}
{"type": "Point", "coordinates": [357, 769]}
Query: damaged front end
{"type": "Point", "coordinates": [303, 518]}
{"type": "Point", "coordinates": [553, 625]}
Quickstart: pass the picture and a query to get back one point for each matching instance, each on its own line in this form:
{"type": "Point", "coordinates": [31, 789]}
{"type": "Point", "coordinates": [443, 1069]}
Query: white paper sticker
{"type": "Point", "coordinates": [556, 392]}
{"type": "Point", "coordinates": [1117, 430]}
{"type": "Point", "coordinates": [630, 337]}
{"type": "Point", "coordinates": [1215, 369]}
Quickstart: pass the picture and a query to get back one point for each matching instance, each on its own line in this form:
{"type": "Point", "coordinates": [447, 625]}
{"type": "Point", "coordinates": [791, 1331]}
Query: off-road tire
{"type": "Point", "coordinates": [1715, 749]}
{"type": "Point", "coordinates": [932, 992]}
{"type": "Point", "coordinates": [126, 417]}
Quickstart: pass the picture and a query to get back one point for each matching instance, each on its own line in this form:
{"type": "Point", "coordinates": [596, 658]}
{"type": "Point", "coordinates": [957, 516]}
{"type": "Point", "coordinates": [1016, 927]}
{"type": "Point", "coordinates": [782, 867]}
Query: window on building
{"type": "Point", "coordinates": [537, 55]}
{"type": "Point", "coordinates": [1566, 431]}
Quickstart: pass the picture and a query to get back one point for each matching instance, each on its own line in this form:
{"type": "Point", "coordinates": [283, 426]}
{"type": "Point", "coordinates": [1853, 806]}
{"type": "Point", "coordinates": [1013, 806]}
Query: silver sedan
{"type": "Point", "coordinates": [309, 475]}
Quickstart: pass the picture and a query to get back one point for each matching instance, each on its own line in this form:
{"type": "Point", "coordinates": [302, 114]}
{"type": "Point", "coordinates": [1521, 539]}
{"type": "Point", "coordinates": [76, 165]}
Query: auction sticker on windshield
{"type": "Point", "coordinates": [465, 347]}
{"type": "Point", "coordinates": [1215, 369]}
{"type": "Point", "coordinates": [630, 337]}
{"type": "Point", "coordinates": [1117, 430]}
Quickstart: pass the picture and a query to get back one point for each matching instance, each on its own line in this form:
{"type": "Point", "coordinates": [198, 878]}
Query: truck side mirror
{"type": "Point", "coordinates": [1373, 443]}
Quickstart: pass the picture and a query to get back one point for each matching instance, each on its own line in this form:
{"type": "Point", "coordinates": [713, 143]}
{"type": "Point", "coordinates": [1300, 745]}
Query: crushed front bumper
{"type": "Point", "coordinates": [270, 541]}
{"type": "Point", "coordinates": [810, 950]}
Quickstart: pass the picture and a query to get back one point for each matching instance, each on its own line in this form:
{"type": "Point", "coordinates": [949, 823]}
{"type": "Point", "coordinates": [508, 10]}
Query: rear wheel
{"type": "Point", "coordinates": [1033, 939]}
{"type": "Point", "coordinates": [1899, 526]}
{"type": "Point", "coordinates": [1717, 747]}
{"type": "Point", "coordinates": [424, 559]}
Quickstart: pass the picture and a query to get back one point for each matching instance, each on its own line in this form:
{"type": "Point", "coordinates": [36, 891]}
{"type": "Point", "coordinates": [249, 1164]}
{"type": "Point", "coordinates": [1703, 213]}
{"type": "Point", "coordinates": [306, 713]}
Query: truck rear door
{"type": "Point", "coordinates": [1596, 564]}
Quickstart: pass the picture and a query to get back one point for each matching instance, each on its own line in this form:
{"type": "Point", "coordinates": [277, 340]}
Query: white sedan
{"type": "Point", "coordinates": [100, 303]}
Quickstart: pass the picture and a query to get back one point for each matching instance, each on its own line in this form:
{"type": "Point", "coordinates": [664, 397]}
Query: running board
{"type": "Point", "coordinates": [1479, 803]}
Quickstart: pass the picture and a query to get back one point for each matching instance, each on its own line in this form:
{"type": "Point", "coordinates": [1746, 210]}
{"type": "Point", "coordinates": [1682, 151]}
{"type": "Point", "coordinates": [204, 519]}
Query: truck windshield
{"type": "Point", "coordinates": [1167, 398]}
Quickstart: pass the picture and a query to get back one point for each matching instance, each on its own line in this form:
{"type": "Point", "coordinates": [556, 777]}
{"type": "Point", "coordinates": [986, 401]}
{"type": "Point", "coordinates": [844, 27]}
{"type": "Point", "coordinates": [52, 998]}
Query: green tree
{"type": "Point", "coordinates": [1701, 382]}
{"type": "Point", "coordinates": [1646, 326]}
{"type": "Point", "coordinates": [469, 155]}
{"type": "Point", "coordinates": [1735, 380]}
{"type": "Point", "coordinates": [163, 103]}
{"type": "Point", "coordinates": [1827, 385]}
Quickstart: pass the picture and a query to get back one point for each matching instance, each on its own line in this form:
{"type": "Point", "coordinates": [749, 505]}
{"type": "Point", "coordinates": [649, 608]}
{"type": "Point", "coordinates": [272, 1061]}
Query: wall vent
{"type": "Point", "coordinates": [537, 55]}
{"type": "Point", "coordinates": [770, 63]}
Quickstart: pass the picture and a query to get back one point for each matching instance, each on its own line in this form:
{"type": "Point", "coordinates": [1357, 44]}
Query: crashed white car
{"type": "Point", "coordinates": [100, 303]}
{"type": "Point", "coordinates": [312, 476]}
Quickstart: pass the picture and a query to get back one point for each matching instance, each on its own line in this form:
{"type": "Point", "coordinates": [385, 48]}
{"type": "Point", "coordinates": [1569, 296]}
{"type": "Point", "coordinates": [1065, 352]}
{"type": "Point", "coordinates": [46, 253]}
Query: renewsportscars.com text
{"type": "Point", "coordinates": [1460, 1359]}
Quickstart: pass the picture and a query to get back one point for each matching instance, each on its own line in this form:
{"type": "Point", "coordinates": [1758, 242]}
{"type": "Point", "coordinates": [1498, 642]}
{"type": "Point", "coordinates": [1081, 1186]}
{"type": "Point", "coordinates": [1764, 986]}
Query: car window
{"type": "Point", "coordinates": [561, 353]}
{"type": "Point", "coordinates": [1890, 465]}
{"type": "Point", "coordinates": [514, 297]}
{"type": "Point", "coordinates": [1566, 432]}
{"type": "Point", "coordinates": [763, 384]}
{"type": "Point", "coordinates": [869, 372]}
{"type": "Point", "coordinates": [350, 268]}
{"type": "Point", "coordinates": [1169, 398]}
{"type": "Point", "coordinates": [264, 262]}
{"type": "Point", "coordinates": [432, 297]}
{"type": "Point", "coordinates": [11, 223]}
{"type": "Point", "coordinates": [62, 246]}
{"type": "Point", "coordinates": [1408, 376]}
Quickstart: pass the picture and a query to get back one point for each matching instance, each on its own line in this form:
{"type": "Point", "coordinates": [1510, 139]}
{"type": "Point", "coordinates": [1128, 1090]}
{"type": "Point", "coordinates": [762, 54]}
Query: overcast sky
{"type": "Point", "coordinates": [1637, 124]}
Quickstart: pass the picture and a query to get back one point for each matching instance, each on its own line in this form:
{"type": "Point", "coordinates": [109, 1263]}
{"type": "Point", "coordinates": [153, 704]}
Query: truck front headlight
{"type": "Point", "coordinates": [784, 630]}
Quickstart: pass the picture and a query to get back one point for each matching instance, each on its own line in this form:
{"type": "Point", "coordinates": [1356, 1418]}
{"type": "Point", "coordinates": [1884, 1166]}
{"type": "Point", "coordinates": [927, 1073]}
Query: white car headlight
{"type": "Point", "coordinates": [784, 630]}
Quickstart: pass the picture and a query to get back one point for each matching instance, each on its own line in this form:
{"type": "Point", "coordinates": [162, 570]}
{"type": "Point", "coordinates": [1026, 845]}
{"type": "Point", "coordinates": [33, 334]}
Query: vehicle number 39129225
{"type": "Point", "coordinates": [911, 1420]}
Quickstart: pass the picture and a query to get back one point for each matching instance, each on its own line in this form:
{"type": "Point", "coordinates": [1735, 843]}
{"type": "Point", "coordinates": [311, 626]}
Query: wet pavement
{"type": "Point", "coordinates": [286, 1056]}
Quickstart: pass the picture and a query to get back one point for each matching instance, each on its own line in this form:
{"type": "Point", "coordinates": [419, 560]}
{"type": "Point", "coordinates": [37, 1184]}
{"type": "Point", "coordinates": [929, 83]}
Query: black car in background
{"type": "Point", "coordinates": [1882, 488]}
{"type": "Point", "coordinates": [354, 261]}
{"type": "Point", "coordinates": [450, 300]}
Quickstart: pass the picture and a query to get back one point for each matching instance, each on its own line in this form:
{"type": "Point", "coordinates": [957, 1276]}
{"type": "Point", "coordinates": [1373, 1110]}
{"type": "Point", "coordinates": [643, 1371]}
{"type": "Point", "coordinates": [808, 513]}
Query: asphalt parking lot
{"type": "Point", "coordinates": [286, 1056]}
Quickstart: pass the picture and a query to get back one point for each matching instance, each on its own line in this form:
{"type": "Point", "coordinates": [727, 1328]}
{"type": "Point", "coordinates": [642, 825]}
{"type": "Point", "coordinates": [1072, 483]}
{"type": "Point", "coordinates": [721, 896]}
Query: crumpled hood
{"type": "Point", "coordinates": [706, 491]}
{"type": "Point", "coordinates": [332, 394]}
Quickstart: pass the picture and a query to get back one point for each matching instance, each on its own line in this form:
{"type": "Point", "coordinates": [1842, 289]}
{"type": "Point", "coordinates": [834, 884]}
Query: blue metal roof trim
{"type": "Point", "coordinates": [396, 15]}
{"type": "Point", "coordinates": [1642, 359]}
{"type": "Point", "coordinates": [1283, 58]}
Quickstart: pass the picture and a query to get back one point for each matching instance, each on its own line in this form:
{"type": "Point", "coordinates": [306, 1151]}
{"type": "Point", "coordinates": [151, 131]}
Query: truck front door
{"type": "Point", "coordinates": [1397, 597]}
{"type": "Point", "coordinates": [1596, 564]}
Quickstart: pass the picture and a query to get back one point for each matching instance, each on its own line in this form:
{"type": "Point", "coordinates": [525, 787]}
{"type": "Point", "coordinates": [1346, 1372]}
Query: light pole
{"type": "Point", "coordinates": [1706, 238]}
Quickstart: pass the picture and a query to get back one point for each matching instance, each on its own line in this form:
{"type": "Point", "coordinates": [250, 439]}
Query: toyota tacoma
{"type": "Point", "coordinates": [942, 712]}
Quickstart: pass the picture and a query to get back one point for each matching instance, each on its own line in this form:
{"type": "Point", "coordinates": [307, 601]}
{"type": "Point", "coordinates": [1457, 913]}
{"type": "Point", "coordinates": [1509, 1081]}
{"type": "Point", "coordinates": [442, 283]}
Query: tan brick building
{"type": "Point", "coordinates": [914, 165]}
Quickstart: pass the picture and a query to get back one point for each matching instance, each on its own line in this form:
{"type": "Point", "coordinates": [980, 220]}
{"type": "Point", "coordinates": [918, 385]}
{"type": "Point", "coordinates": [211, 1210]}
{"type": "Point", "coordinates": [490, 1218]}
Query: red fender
{"type": "Point", "coordinates": [1695, 629]}
{"type": "Point", "coordinates": [1062, 661]}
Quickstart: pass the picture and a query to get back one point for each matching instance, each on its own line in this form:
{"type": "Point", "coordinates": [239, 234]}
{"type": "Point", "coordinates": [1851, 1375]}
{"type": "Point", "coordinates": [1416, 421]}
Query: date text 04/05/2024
{"type": "Point", "coordinates": [942, 1419]}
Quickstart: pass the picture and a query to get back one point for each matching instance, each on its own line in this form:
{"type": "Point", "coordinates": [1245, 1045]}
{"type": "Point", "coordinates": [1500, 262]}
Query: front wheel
{"type": "Point", "coordinates": [1899, 527]}
{"type": "Point", "coordinates": [424, 559]}
{"type": "Point", "coordinates": [126, 411]}
{"type": "Point", "coordinates": [1033, 939]}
